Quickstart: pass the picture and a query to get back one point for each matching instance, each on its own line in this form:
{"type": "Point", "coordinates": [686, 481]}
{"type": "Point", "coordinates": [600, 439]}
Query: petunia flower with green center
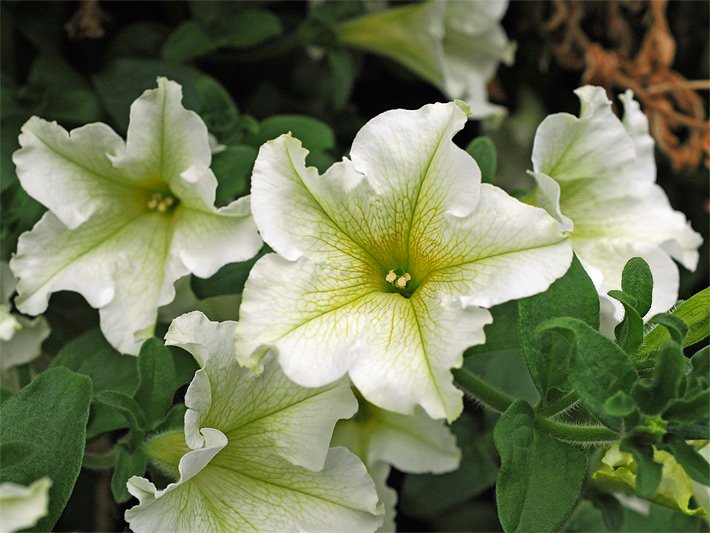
{"type": "Point", "coordinates": [457, 45]}
{"type": "Point", "coordinates": [596, 174]}
{"type": "Point", "coordinates": [126, 219]}
{"type": "Point", "coordinates": [385, 265]}
{"type": "Point", "coordinates": [255, 451]}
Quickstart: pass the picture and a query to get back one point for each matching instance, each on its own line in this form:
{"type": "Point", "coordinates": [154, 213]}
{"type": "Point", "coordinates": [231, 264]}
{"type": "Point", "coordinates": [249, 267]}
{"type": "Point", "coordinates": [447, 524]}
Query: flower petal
{"type": "Point", "coordinates": [70, 173]}
{"type": "Point", "coordinates": [504, 251]}
{"type": "Point", "coordinates": [119, 263]}
{"type": "Point", "coordinates": [595, 145]}
{"type": "Point", "coordinates": [167, 143]}
{"type": "Point", "coordinates": [21, 507]}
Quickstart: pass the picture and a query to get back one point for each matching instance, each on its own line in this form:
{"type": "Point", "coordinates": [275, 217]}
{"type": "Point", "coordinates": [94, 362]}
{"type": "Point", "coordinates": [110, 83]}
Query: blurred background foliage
{"type": "Point", "coordinates": [254, 70]}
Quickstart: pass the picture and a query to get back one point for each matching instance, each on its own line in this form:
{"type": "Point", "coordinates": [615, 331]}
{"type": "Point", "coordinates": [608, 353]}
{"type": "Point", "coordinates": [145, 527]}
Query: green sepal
{"type": "Point", "coordinates": [484, 152]}
{"type": "Point", "coordinates": [637, 281]}
{"type": "Point", "coordinates": [620, 405]}
{"type": "Point", "coordinates": [157, 381]}
{"type": "Point", "coordinates": [598, 369]}
{"type": "Point", "coordinates": [534, 466]}
{"type": "Point", "coordinates": [132, 414]}
{"type": "Point", "coordinates": [648, 472]}
{"type": "Point", "coordinates": [573, 295]}
{"type": "Point", "coordinates": [668, 380]}
{"type": "Point", "coordinates": [628, 333]}
{"type": "Point", "coordinates": [51, 412]}
{"type": "Point", "coordinates": [688, 457]}
{"type": "Point", "coordinates": [128, 464]}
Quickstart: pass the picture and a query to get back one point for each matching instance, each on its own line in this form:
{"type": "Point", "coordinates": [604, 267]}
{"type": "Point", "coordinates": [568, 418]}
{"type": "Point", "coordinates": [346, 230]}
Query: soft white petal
{"type": "Point", "coordinates": [70, 173]}
{"type": "Point", "coordinates": [8, 283]}
{"type": "Point", "coordinates": [265, 494]}
{"type": "Point", "coordinates": [207, 240]}
{"type": "Point", "coordinates": [21, 507]}
{"type": "Point", "coordinates": [636, 124]}
{"type": "Point", "coordinates": [9, 325]}
{"type": "Point", "coordinates": [201, 337]}
{"type": "Point", "coordinates": [595, 145]}
{"type": "Point", "coordinates": [547, 196]}
{"type": "Point", "coordinates": [121, 264]}
{"type": "Point", "coordinates": [167, 143]}
{"type": "Point", "coordinates": [388, 496]}
{"type": "Point", "coordinates": [411, 443]}
{"type": "Point", "coordinates": [504, 251]}
{"type": "Point", "coordinates": [26, 344]}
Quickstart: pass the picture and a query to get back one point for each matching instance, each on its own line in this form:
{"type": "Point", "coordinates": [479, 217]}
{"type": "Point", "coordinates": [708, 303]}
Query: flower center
{"type": "Point", "coordinates": [162, 202]}
{"type": "Point", "coordinates": [400, 280]}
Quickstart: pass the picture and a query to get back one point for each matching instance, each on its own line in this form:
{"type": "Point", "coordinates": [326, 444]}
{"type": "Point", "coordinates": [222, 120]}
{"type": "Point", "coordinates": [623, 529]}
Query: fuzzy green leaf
{"type": "Point", "coordinates": [573, 295]}
{"type": "Point", "coordinates": [637, 281]}
{"type": "Point", "coordinates": [629, 333]}
{"type": "Point", "coordinates": [484, 152]}
{"type": "Point", "coordinates": [127, 465]}
{"type": "Point", "coordinates": [668, 379]}
{"type": "Point", "coordinates": [157, 381]}
{"type": "Point", "coordinates": [599, 368]}
{"type": "Point", "coordinates": [315, 135]}
{"type": "Point", "coordinates": [540, 478]}
{"type": "Point", "coordinates": [51, 412]}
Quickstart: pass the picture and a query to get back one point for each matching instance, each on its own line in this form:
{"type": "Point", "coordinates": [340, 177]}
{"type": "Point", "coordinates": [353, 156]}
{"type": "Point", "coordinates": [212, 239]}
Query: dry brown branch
{"type": "Point", "coordinates": [87, 22]}
{"type": "Point", "coordinates": [675, 110]}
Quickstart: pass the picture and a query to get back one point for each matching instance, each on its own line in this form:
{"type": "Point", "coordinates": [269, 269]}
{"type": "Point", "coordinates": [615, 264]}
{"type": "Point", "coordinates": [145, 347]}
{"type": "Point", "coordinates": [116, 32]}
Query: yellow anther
{"type": "Point", "coordinates": [152, 203]}
{"type": "Point", "coordinates": [401, 282]}
{"type": "Point", "coordinates": [169, 201]}
{"type": "Point", "coordinates": [390, 277]}
{"type": "Point", "coordinates": [162, 207]}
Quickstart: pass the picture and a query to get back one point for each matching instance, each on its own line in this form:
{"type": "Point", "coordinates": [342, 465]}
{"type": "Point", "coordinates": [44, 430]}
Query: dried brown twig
{"type": "Point", "coordinates": [676, 112]}
{"type": "Point", "coordinates": [87, 22]}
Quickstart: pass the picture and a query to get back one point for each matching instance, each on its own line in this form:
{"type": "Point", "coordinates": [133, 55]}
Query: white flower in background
{"type": "Point", "coordinates": [456, 45]}
{"type": "Point", "coordinates": [596, 174]}
{"type": "Point", "coordinates": [385, 265]}
{"type": "Point", "coordinates": [20, 338]}
{"type": "Point", "coordinates": [255, 452]}
{"type": "Point", "coordinates": [415, 444]}
{"type": "Point", "coordinates": [21, 507]}
{"type": "Point", "coordinates": [126, 219]}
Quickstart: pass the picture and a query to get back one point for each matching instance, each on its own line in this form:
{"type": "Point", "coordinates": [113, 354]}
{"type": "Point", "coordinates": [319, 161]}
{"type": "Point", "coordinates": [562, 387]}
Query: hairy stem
{"type": "Point", "coordinates": [482, 391]}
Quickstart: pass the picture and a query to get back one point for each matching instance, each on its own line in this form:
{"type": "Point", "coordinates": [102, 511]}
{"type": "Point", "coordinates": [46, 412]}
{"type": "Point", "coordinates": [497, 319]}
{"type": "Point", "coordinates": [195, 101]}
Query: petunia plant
{"type": "Point", "coordinates": [268, 267]}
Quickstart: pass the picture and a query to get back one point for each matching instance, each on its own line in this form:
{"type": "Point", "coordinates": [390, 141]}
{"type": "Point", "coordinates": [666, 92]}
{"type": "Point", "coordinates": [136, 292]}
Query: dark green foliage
{"type": "Point", "coordinates": [483, 151]}
{"type": "Point", "coordinates": [535, 466]}
{"type": "Point", "coordinates": [51, 414]}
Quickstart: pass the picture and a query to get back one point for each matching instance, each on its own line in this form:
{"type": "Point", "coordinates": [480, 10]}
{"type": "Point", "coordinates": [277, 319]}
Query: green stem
{"type": "Point", "coordinates": [482, 391]}
{"type": "Point", "coordinates": [559, 405]}
{"type": "Point", "coordinates": [100, 461]}
{"type": "Point", "coordinates": [500, 401]}
{"type": "Point", "coordinates": [576, 433]}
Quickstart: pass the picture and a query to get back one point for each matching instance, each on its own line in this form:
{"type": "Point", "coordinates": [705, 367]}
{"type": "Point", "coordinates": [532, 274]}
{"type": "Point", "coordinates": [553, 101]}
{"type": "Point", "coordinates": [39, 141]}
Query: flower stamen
{"type": "Point", "coordinates": [161, 202]}
{"type": "Point", "coordinates": [398, 278]}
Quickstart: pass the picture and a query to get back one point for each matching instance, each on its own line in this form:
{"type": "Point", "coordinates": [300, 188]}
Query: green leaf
{"type": "Point", "coordinates": [677, 329]}
{"type": "Point", "coordinates": [629, 333]}
{"type": "Point", "coordinates": [51, 412]}
{"type": "Point", "coordinates": [127, 465]}
{"type": "Point", "coordinates": [315, 135]}
{"type": "Point", "coordinates": [689, 410]}
{"type": "Point", "coordinates": [91, 354]}
{"type": "Point", "coordinates": [599, 368]}
{"type": "Point", "coordinates": [248, 28]}
{"type": "Point", "coordinates": [187, 42]}
{"type": "Point", "coordinates": [695, 312]}
{"type": "Point", "coordinates": [668, 380]}
{"type": "Point", "coordinates": [648, 472]}
{"type": "Point", "coordinates": [540, 478]}
{"type": "Point", "coordinates": [573, 295]}
{"type": "Point", "coordinates": [157, 381]}
{"type": "Point", "coordinates": [688, 457]}
{"type": "Point", "coordinates": [483, 151]}
{"type": "Point", "coordinates": [621, 405]}
{"type": "Point", "coordinates": [233, 167]}
{"type": "Point", "coordinates": [637, 281]}
{"type": "Point", "coordinates": [131, 412]}
{"type": "Point", "coordinates": [427, 496]}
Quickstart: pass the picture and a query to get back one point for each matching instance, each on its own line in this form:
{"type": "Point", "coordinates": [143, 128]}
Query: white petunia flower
{"type": "Point", "coordinates": [126, 219]}
{"type": "Point", "coordinates": [596, 174]}
{"type": "Point", "coordinates": [415, 444]}
{"type": "Point", "coordinates": [385, 265]}
{"type": "Point", "coordinates": [21, 507]}
{"type": "Point", "coordinates": [255, 452]}
{"type": "Point", "coordinates": [456, 45]}
{"type": "Point", "coordinates": [20, 338]}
